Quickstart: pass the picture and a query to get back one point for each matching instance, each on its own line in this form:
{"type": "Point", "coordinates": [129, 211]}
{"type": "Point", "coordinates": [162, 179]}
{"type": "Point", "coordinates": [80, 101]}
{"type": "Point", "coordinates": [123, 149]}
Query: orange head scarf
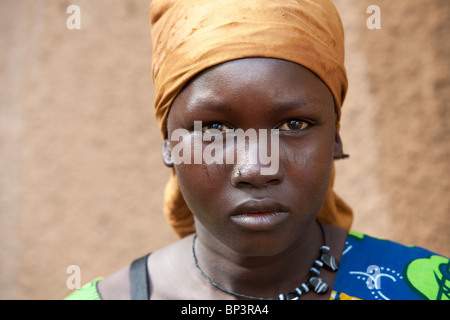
{"type": "Point", "coordinates": [191, 36]}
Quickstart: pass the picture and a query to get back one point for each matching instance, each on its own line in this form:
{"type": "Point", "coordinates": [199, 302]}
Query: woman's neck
{"type": "Point", "coordinates": [262, 276]}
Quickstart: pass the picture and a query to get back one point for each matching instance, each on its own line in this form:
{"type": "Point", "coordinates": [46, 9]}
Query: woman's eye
{"type": "Point", "coordinates": [293, 125]}
{"type": "Point", "coordinates": [215, 126]}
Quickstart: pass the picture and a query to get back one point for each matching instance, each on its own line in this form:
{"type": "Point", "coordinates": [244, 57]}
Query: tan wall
{"type": "Point", "coordinates": [81, 178]}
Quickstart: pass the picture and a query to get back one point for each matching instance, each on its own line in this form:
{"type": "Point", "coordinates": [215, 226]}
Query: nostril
{"type": "Point", "coordinates": [274, 181]}
{"type": "Point", "coordinates": [252, 177]}
{"type": "Point", "coordinates": [243, 184]}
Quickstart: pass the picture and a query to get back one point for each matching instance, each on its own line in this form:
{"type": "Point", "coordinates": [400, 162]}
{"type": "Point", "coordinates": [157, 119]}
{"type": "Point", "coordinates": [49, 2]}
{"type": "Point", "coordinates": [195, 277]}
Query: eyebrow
{"type": "Point", "coordinates": [283, 104]}
{"type": "Point", "coordinates": [207, 104]}
{"type": "Point", "coordinates": [298, 102]}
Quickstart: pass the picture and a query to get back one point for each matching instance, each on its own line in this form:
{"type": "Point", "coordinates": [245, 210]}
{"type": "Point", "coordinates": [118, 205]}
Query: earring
{"type": "Point", "coordinates": [338, 152]}
{"type": "Point", "coordinates": [167, 154]}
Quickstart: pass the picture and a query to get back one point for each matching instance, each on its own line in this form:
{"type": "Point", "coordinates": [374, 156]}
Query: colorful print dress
{"type": "Point", "coordinates": [376, 269]}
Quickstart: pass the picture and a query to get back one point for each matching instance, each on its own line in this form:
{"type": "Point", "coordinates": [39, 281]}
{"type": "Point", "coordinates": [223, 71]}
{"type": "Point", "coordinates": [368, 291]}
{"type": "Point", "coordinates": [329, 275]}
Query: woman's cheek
{"type": "Point", "coordinates": [308, 167]}
{"type": "Point", "coordinates": [199, 182]}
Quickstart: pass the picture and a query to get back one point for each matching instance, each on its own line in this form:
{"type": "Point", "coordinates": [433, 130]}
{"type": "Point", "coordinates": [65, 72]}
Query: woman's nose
{"type": "Point", "coordinates": [251, 175]}
{"type": "Point", "coordinates": [254, 166]}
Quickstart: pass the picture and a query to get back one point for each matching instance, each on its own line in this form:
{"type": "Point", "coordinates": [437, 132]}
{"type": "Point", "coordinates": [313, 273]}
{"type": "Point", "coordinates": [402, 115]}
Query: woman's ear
{"type": "Point", "coordinates": [167, 153]}
{"type": "Point", "coordinates": [338, 148]}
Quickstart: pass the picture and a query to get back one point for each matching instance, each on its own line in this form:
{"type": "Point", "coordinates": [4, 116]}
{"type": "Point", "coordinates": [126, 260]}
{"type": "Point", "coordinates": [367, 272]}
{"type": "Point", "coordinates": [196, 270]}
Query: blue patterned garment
{"type": "Point", "coordinates": [376, 269]}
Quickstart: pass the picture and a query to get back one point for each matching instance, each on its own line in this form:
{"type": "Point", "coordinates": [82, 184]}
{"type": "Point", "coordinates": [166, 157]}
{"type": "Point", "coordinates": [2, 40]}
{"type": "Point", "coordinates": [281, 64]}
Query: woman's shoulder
{"type": "Point", "coordinates": [117, 285]}
{"type": "Point", "coordinates": [374, 268]}
{"type": "Point", "coordinates": [368, 246]}
{"type": "Point", "coordinates": [113, 287]}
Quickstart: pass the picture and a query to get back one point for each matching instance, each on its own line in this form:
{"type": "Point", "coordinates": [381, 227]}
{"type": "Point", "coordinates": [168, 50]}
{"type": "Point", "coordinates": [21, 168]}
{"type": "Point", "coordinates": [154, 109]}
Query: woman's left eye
{"type": "Point", "coordinates": [216, 126]}
{"type": "Point", "coordinates": [294, 124]}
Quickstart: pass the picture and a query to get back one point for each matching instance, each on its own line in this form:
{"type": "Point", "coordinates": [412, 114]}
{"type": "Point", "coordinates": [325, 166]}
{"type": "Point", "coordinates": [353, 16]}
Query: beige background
{"type": "Point", "coordinates": [81, 178]}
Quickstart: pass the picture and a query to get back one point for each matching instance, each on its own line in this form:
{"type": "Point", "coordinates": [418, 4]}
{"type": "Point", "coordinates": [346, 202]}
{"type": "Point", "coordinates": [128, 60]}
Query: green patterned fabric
{"type": "Point", "coordinates": [87, 292]}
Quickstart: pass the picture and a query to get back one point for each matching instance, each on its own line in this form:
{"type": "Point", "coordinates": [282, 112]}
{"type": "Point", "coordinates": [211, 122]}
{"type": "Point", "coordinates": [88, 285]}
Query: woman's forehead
{"type": "Point", "coordinates": [284, 83]}
{"type": "Point", "coordinates": [252, 70]}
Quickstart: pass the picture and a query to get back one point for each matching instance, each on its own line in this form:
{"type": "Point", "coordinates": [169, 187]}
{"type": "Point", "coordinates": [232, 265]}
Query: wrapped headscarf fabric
{"type": "Point", "coordinates": [191, 36]}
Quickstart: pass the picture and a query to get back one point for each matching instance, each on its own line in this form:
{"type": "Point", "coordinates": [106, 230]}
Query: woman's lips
{"type": "Point", "coordinates": [259, 214]}
{"type": "Point", "coordinates": [259, 221]}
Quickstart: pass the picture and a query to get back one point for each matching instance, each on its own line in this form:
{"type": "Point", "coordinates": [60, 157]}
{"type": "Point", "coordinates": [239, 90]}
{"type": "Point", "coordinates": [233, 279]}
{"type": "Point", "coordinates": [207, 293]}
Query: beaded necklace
{"type": "Point", "coordinates": [314, 283]}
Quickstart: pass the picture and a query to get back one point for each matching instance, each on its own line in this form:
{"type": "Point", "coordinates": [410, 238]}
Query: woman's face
{"type": "Point", "coordinates": [253, 212]}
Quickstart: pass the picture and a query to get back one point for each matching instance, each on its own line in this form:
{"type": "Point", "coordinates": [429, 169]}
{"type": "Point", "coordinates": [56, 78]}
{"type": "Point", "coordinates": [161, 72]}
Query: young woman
{"type": "Point", "coordinates": [275, 70]}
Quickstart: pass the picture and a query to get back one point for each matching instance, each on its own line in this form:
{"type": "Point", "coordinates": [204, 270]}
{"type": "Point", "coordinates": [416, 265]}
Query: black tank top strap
{"type": "Point", "coordinates": [139, 280]}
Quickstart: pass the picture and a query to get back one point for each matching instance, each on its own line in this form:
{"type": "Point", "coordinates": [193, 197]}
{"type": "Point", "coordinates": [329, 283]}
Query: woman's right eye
{"type": "Point", "coordinates": [222, 128]}
{"type": "Point", "coordinates": [294, 124]}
